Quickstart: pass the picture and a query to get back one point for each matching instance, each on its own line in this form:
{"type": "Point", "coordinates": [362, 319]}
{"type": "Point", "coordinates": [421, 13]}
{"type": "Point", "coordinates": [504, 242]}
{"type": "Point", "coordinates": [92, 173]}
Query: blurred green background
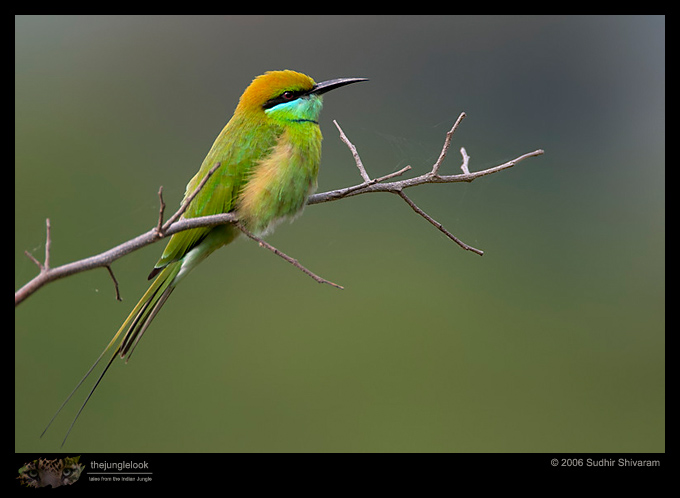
{"type": "Point", "coordinates": [553, 341]}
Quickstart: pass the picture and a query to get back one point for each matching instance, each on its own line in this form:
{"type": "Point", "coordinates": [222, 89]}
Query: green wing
{"type": "Point", "coordinates": [238, 151]}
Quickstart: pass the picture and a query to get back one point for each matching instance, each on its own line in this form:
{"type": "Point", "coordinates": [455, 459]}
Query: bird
{"type": "Point", "coordinates": [268, 155]}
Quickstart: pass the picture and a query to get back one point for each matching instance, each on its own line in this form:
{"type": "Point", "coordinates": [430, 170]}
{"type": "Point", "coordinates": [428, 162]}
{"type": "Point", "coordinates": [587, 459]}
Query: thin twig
{"type": "Point", "coordinates": [447, 144]}
{"type": "Point", "coordinates": [466, 160]}
{"type": "Point", "coordinates": [32, 258]}
{"type": "Point", "coordinates": [354, 152]}
{"type": "Point", "coordinates": [188, 199]}
{"type": "Point", "coordinates": [283, 255]}
{"type": "Point", "coordinates": [115, 282]}
{"type": "Point", "coordinates": [161, 211]}
{"type": "Point", "coordinates": [438, 225]}
{"type": "Point", "coordinates": [48, 244]}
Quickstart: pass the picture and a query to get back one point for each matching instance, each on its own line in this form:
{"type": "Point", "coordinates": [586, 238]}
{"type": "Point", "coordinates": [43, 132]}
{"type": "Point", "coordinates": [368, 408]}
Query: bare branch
{"type": "Point", "coordinates": [172, 226]}
{"type": "Point", "coordinates": [177, 224]}
{"type": "Point", "coordinates": [108, 257]}
{"type": "Point", "coordinates": [433, 174]}
{"type": "Point", "coordinates": [292, 261]}
{"type": "Point", "coordinates": [344, 192]}
{"type": "Point", "coordinates": [394, 187]}
{"type": "Point", "coordinates": [432, 177]}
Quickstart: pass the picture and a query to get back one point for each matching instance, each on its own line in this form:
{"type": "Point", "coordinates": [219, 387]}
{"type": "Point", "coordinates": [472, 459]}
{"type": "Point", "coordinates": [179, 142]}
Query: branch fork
{"type": "Point", "coordinates": [432, 176]}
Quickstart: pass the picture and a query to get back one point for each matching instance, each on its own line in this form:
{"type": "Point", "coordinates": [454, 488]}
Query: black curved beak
{"type": "Point", "coordinates": [327, 86]}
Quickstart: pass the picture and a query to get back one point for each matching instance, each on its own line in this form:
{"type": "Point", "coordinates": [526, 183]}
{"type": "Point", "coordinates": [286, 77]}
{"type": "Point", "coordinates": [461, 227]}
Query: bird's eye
{"type": "Point", "coordinates": [282, 98]}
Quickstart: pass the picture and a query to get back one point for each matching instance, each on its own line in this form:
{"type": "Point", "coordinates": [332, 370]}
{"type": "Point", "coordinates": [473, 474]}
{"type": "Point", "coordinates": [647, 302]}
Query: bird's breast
{"type": "Point", "coordinates": [280, 183]}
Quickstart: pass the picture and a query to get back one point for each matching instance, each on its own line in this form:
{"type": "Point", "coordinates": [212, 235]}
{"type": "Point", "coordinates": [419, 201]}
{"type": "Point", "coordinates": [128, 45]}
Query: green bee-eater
{"type": "Point", "coordinates": [269, 155]}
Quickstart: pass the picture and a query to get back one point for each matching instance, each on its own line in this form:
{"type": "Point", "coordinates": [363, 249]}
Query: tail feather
{"type": "Point", "coordinates": [136, 323]}
{"type": "Point", "coordinates": [153, 300]}
{"type": "Point", "coordinates": [142, 322]}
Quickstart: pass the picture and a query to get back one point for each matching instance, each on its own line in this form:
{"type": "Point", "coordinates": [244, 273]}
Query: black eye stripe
{"type": "Point", "coordinates": [287, 96]}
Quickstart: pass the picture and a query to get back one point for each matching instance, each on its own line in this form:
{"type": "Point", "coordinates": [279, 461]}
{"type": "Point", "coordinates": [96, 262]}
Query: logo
{"type": "Point", "coordinates": [43, 472]}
